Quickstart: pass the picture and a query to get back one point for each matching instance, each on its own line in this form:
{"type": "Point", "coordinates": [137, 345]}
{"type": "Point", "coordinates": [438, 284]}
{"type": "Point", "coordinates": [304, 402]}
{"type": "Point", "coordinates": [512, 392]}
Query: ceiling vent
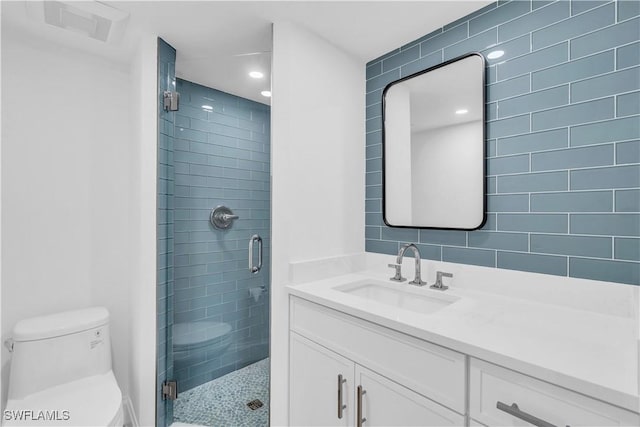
{"type": "Point", "coordinates": [89, 18]}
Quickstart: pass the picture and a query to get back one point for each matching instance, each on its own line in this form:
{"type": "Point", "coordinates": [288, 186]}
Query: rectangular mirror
{"type": "Point", "coordinates": [433, 172]}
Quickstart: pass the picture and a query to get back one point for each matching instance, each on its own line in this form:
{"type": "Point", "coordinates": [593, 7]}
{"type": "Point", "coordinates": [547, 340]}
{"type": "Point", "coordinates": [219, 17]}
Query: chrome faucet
{"type": "Point", "coordinates": [398, 265]}
{"type": "Point", "coordinates": [439, 285]}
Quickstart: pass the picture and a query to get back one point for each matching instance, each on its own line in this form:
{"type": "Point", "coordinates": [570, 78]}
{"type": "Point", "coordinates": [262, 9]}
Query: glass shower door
{"type": "Point", "coordinates": [218, 216]}
{"type": "Point", "coordinates": [165, 237]}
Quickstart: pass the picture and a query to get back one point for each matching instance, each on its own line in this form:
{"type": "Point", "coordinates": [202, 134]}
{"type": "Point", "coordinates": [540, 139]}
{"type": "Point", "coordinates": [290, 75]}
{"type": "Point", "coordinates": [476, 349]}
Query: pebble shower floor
{"type": "Point", "coordinates": [223, 401]}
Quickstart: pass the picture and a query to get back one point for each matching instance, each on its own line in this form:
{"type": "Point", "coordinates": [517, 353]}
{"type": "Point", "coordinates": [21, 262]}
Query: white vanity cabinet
{"type": "Point", "coordinates": [402, 380]}
{"type": "Point", "coordinates": [500, 397]}
{"type": "Point", "coordinates": [408, 381]}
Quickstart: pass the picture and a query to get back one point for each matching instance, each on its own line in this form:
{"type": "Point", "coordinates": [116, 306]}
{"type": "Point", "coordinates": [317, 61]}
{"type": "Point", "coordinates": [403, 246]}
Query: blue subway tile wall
{"type": "Point", "coordinates": [563, 131]}
{"type": "Point", "coordinates": [165, 229]}
{"type": "Point", "coordinates": [221, 157]}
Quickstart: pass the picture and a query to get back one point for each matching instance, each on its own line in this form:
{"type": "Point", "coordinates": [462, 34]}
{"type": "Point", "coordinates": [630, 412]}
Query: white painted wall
{"type": "Point", "coordinates": [66, 187]}
{"type": "Point", "coordinates": [142, 304]}
{"type": "Point", "coordinates": [317, 167]}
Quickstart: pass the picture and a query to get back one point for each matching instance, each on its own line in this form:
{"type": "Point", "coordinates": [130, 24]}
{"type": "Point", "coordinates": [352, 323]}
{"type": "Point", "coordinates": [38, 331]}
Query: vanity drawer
{"type": "Point", "coordinates": [430, 370]}
{"type": "Point", "coordinates": [490, 384]}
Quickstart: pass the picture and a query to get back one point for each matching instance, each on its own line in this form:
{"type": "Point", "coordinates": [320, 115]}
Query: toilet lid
{"type": "Point", "coordinates": [92, 401]}
{"type": "Point", "coordinates": [191, 335]}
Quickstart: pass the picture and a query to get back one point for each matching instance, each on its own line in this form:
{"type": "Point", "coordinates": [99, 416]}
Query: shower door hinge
{"type": "Point", "coordinates": [170, 390]}
{"type": "Point", "coordinates": [171, 100]}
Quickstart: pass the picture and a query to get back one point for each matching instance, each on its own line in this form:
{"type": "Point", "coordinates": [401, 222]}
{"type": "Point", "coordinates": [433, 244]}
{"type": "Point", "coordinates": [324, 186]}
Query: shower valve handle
{"type": "Point", "coordinates": [222, 217]}
{"type": "Point", "coordinates": [228, 217]}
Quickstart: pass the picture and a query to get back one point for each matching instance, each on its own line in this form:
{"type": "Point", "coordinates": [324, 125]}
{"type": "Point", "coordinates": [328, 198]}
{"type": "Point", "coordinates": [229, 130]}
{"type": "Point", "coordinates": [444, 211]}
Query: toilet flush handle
{"type": "Point", "coordinates": [9, 344]}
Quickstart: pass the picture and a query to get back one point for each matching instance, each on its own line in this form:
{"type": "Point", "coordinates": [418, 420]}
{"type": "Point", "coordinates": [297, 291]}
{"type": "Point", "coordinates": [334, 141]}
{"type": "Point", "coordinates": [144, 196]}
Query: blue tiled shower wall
{"type": "Point", "coordinates": [221, 157]}
{"type": "Point", "coordinates": [165, 227]}
{"type": "Point", "coordinates": [563, 147]}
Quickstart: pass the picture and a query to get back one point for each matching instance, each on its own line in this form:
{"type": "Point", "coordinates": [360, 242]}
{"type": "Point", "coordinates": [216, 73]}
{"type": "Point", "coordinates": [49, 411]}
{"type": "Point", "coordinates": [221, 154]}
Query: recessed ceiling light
{"type": "Point", "coordinates": [266, 93]}
{"type": "Point", "coordinates": [256, 74]}
{"type": "Point", "coordinates": [207, 108]}
{"type": "Point", "coordinates": [495, 54]}
{"type": "Point", "coordinates": [462, 111]}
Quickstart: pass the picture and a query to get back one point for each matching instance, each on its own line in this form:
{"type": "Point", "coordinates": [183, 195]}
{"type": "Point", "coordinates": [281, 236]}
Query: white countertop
{"type": "Point", "coordinates": [592, 353]}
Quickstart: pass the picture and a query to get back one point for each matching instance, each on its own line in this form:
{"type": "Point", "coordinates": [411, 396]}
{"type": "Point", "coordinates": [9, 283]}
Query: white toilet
{"type": "Point", "coordinates": [203, 337]}
{"type": "Point", "coordinates": [61, 372]}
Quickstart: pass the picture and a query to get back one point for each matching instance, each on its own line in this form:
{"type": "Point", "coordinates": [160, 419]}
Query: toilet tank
{"type": "Point", "coordinates": [59, 348]}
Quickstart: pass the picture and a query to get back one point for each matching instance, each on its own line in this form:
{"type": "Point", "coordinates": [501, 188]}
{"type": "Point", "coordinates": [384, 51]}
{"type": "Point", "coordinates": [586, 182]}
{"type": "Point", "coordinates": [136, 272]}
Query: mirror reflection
{"type": "Point", "coordinates": [433, 147]}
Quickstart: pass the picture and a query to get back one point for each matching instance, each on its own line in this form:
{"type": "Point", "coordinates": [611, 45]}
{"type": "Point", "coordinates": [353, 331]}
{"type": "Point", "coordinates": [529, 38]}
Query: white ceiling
{"type": "Point", "coordinates": [209, 35]}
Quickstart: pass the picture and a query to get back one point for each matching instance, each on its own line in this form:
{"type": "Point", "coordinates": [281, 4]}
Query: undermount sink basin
{"type": "Point", "coordinates": [402, 296]}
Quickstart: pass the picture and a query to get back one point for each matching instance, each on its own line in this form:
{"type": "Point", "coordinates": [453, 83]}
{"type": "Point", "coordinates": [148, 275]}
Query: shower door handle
{"type": "Point", "coordinates": [255, 268]}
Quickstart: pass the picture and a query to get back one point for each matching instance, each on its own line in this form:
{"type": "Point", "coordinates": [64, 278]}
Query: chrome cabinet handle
{"type": "Point", "coordinates": [360, 419]}
{"type": "Point", "coordinates": [255, 268]}
{"type": "Point", "coordinates": [341, 406]}
{"type": "Point", "coordinates": [516, 412]}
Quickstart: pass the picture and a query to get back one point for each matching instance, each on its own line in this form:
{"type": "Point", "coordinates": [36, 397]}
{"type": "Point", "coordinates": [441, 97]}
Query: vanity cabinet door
{"type": "Point", "coordinates": [386, 403]}
{"type": "Point", "coordinates": [313, 380]}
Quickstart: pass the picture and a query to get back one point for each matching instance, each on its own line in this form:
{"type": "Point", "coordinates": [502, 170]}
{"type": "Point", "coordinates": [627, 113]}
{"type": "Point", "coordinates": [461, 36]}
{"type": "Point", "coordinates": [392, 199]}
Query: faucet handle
{"type": "Point", "coordinates": [398, 276]}
{"type": "Point", "coordinates": [439, 285]}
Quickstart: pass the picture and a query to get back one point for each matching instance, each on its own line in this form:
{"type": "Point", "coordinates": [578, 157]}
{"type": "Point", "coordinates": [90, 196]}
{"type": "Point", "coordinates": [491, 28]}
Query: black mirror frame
{"type": "Point", "coordinates": [484, 142]}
